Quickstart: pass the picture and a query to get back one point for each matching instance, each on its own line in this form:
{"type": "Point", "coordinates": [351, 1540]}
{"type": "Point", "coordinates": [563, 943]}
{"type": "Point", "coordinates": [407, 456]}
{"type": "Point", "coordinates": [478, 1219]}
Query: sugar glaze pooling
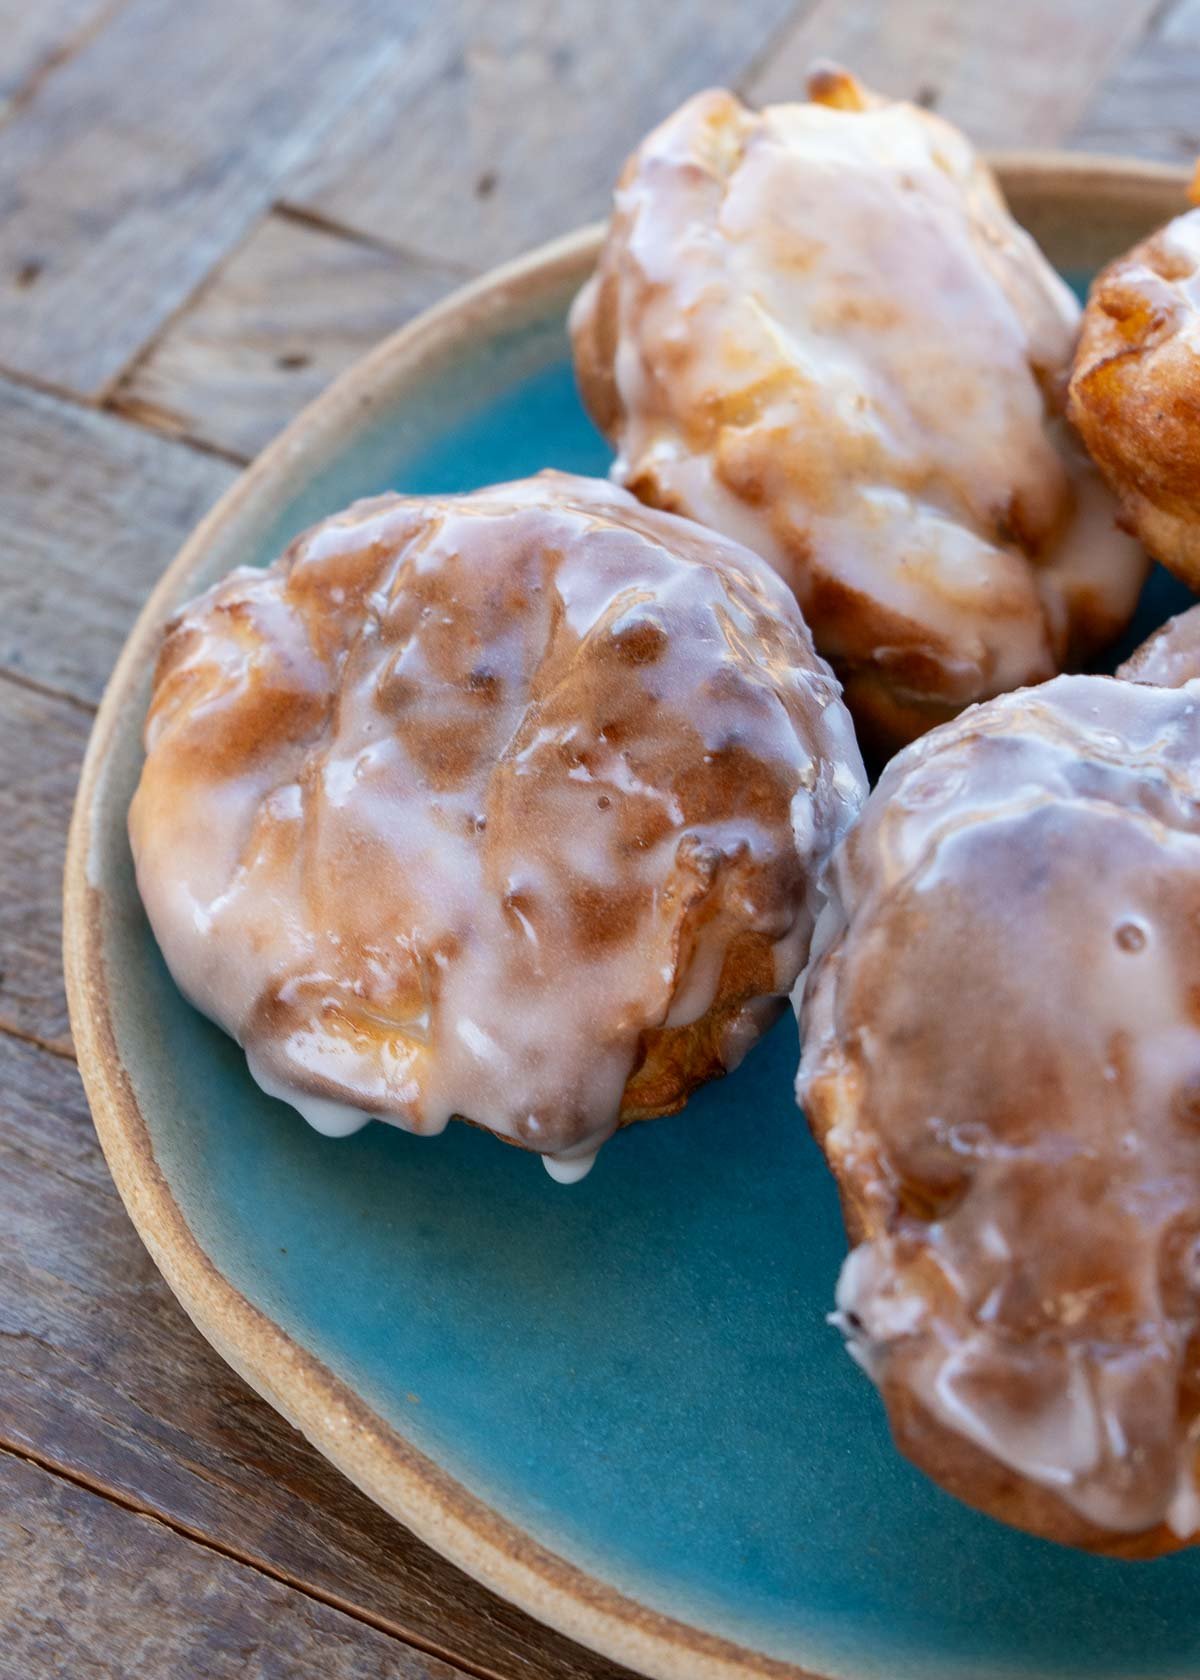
{"type": "Point", "coordinates": [507, 806]}
{"type": "Point", "coordinates": [818, 329]}
{"type": "Point", "coordinates": [1002, 1061]}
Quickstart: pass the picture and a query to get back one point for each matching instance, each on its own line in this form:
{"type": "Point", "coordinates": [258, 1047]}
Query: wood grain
{"type": "Point", "coordinates": [101, 1371]}
{"type": "Point", "coordinates": [148, 154]}
{"type": "Point", "coordinates": [1149, 105]}
{"type": "Point", "coordinates": [41, 747]}
{"type": "Point", "coordinates": [292, 308]}
{"type": "Point", "coordinates": [508, 123]}
{"type": "Point", "coordinates": [142, 145]}
{"type": "Point", "coordinates": [90, 1589]}
{"type": "Point", "coordinates": [38, 35]}
{"type": "Point", "coordinates": [1013, 72]}
{"type": "Point", "coordinates": [93, 509]}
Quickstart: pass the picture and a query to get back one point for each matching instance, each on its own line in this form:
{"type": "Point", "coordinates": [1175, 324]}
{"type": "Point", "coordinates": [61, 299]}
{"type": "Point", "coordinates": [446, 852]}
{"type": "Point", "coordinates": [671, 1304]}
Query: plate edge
{"type": "Point", "coordinates": [413, 1488]}
{"type": "Point", "coordinates": [415, 1491]}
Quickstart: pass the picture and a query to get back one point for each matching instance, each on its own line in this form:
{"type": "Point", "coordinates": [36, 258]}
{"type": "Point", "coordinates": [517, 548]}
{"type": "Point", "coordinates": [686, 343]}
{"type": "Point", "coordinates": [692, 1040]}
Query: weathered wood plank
{"type": "Point", "coordinates": [509, 123]}
{"type": "Point", "coordinates": [92, 510]}
{"type": "Point", "coordinates": [41, 746]}
{"type": "Point", "coordinates": [89, 1588]}
{"type": "Point", "coordinates": [294, 306]}
{"type": "Point", "coordinates": [35, 35]}
{"type": "Point", "coordinates": [1149, 104]}
{"type": "Point", "coordinates": [145, 157]}
{"type": "Point", "coordinates": [1012, 72]}
{"type": "Point", "coordinates": [101, 1371]}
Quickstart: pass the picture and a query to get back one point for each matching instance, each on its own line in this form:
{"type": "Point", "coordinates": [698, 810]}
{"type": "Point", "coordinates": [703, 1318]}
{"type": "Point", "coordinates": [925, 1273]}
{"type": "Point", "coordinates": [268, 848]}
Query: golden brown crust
{"type": "Point", "coordinates": [982, 1482]}
{"type": "Point", "coordinates": [507, 806]}
{"type": "Point", "coordinates": [1135, 390]}
{"type": "Point", "coordinates": [675, 1061]}
{"type": "Point", "coordinates": [1001, 1029]}
{"type": "Point", "coordinates": [957, 1464]}
{"type": "Point", "coordinates": [765, 342]}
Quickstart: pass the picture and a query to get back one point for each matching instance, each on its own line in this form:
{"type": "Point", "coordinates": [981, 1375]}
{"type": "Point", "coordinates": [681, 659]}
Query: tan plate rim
{"type": "Point", "coordinates": [379, 1461]}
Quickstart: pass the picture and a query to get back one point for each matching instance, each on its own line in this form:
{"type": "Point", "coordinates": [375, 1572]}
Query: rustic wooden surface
{"type": "Point", "coordinates": [207, 212]}
{"type": "Point", "coordinates": [169, 1606]}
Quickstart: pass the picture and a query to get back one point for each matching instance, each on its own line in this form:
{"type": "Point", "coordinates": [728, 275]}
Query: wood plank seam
{"type": "Point", "coordinates": [201, 446]}
{"type": "Point", "coordinates": [47, 689]}
{"type": "Point", "coordinates": [289, 310]}
{"type": "Point", "coordinates": [331, 1601]}
{"type": "Point", "coordinates": [47, 387]}
{"type": "Point", "coordinates": [436, 160]}
{"type": "Point", "coordinates": [100, 402]}
{"type": "Point", "coordinates": [110, 390]}
{"type": "Point", "coordinates": [120, 205]}
{"type": "Point", "coordinates": [97, 506]}
{"type": "Point", "coordinates": [144, 415]}
{"type": "Point", "coordinates": [759, 61]}
{"type": "Point", "coordinates": [307, 217]}
{"type": "Point", "coordinates": [64, 1484]}
{"type": "Point", "coordinates": [52, 1046]}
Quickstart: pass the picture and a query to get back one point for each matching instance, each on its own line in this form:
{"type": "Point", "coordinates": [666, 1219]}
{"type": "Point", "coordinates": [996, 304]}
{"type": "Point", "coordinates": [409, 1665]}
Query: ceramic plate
{"type": "Point", "coordinates": [618, 1404]}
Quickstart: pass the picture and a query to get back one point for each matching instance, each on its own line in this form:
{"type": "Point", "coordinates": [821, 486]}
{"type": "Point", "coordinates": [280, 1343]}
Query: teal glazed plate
{"type": "Point", "coordinates": [619, 1404]}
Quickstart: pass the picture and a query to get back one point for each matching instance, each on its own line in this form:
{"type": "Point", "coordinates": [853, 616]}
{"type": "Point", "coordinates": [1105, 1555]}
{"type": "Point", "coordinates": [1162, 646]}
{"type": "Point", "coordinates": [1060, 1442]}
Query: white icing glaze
{"type": "Point", "coordinates": [331, 1119]}
{"type": "Point", "coordinates": [1170, 657]}
{"type": "Point", "coordinates": [833, 344]}
{"type": "Point", "coordinates": [1001, 1024]}
{"type": "Point", "coordinates": [508, 806]}
{"type": "Point", "coordinates": [569, 1169]}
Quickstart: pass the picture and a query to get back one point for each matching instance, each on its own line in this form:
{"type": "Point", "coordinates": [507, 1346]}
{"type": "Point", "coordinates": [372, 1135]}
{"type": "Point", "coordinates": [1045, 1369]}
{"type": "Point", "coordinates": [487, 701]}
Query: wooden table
{"type": "Point", "coordinates": [207, 210]}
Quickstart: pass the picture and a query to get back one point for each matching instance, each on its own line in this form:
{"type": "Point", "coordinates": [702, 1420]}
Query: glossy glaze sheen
{"type": "Point", "coordinates": [509, 806]}
{"type": "Point", "coordinates": [1000, 1058]}
{"type": "Point", "coordinates": [620, 1405]}
{"type": "Point", "coordinates": [817, 329]}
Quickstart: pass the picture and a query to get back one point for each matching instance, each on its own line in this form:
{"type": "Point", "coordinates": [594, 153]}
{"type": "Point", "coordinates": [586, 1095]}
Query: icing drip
{"type": "Point", "coordinates": [818, 329]}
{"type": "Point", "coordinates": [507, 806]}
{"type": "Point", "coordinates": [1002, 1061]}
